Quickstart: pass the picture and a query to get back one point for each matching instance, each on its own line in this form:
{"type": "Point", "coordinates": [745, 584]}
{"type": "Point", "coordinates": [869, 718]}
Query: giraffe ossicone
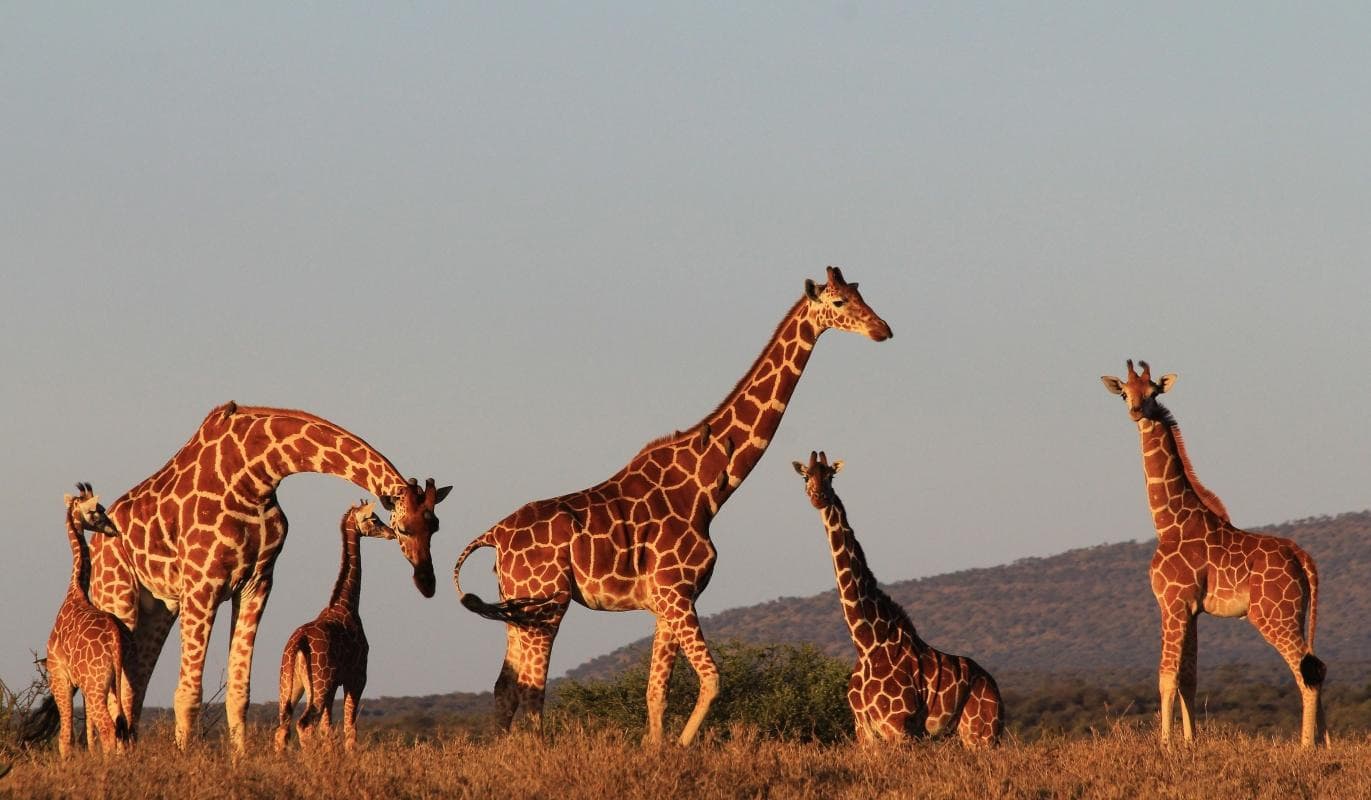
{"type": "Point", "coordinates": [900, 687]}
{"type": "Point", "coordinates": [640, 539]}
{"type": "Point", "coordinates": [206, 527]}
{"type": "Point", "coordinates": [1203, 563]}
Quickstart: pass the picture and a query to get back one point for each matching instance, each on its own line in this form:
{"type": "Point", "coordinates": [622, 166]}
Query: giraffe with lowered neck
{"type": "Point", "coordinates": [331, 651]}
{"type": "Point", "coordinates": [206, 527]}
{"type": "Point", "coordinates": [1203, 563]}
{"type": "Point", "coordinates": [87, 647]}
{"type": "Point", "coordinates": [640, 539]}
{"type": "Point", "coordinates": [901, 687]}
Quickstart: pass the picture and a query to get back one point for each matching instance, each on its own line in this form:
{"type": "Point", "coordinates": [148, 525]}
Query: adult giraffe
{"type": "Point", "coordinates": [640, 540]}
{"type": "Point", "coordinates": [206, 527]}
{"type": "Point", "coordinates": [1204, 563]}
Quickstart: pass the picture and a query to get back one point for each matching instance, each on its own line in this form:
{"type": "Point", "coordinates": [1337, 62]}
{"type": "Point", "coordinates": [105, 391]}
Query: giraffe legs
{"type": "Point", "coordinates": [248, 604]}
{"type": "Point", "coordinates": [664, 650]}
{"type": "Point", "coordinates": [154, 621]}
{"type": "Point", "coordinates": [1177, 625]}
{"type": "Point", "coordinates": [61, 695]}
{"type": "Point", "coordinates": [98, 721]}
{"type": "Point", "coordinates": [1188, 678]}
{"type": "Point", "coordinates": [197, 619]}
{"type": "Point", "coordinates": [685, 630]}
{"type": "Point", "coordinates": [352, 698]}
{"type": "Point", "coordinates": [1284, 632]}
{"type": "Point", "coordinates": [523, 677]}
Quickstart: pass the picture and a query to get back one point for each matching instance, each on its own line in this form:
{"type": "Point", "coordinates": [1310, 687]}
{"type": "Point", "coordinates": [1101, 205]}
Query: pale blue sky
{"type": "Point", "coordinates": [509, 242]}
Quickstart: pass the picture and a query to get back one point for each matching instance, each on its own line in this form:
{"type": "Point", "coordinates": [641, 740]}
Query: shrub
{"type": "Point", "coordinates": [780, 691]}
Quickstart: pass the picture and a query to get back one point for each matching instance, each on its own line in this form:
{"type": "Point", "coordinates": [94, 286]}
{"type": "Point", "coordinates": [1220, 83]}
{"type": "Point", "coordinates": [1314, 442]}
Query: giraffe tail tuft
{"type": "Point", "coordinates": [528, 611]}
{"type": "Point", "coordinates": [1312, 670]}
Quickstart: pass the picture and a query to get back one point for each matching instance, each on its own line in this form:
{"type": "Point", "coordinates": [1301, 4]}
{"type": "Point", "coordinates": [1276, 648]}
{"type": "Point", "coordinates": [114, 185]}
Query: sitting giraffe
{"type": "Point", "coordinates": [900, 686]}
{"type": "Point", "coordinates": [87, 646]}
{"type": "Point", "coordinates": [1204, 563]}
{"type": "Point", "coordinates": [332, 650]}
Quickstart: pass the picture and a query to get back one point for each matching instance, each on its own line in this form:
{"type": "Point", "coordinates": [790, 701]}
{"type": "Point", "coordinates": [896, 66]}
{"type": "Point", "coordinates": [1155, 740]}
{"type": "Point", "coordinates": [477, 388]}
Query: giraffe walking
{"type": "Point", "coordinates": [640, 539]}
{"type": "Point", "coordinates": [331, 651]}
{"type": "Point", "coordinates": [206, 527]}
{"type": "Point", "coordinates": [901, 687]}
{"type": "Point", "coordinates": [87, 647]}
{"type": "Point", "coordinates": [1204, 563]}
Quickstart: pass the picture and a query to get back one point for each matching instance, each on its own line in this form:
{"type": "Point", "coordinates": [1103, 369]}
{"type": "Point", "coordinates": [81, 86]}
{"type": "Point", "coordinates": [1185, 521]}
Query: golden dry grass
{"type": "Point", "coordinates": [1124, 763]}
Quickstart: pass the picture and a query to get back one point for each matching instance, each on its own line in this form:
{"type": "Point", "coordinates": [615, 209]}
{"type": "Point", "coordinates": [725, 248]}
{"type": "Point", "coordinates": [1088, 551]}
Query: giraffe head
{"type": "Point", "coordinates": [362, 518]}
{"type": "Point", "coordinates": [85, 510]}
{"type": "Point", "coordinates": [1139, 391]}
{"type": "Point", "coordinates": [818, 477]}
{"type": "Point", "coordinates": [838, 304]}
{"type": "Point", "coordinates": [413, 522]}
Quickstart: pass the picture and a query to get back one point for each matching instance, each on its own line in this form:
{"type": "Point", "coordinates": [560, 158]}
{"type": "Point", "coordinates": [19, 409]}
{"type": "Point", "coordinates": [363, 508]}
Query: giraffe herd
{"type": "Point", "coordinates": [207, 527]}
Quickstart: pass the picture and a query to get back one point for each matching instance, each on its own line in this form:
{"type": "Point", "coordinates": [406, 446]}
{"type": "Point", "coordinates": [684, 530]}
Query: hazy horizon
{"type": "Point", "coordinates": [509, 244]}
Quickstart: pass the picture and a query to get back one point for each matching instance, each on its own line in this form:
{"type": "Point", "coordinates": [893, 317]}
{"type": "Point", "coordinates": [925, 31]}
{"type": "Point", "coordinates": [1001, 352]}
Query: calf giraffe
{"type": "Point", "coordinates": [1204, 563]}
{"type": "Point", "coordinates": [640, 539]}
{"type": "Point", "coordinates": [332, 650]}
{"type": "Point", "coordinates": [87, 646]}
{"type": "Point", "coordinates": [901, 686]}
{"type": "Point", "coordinates": [206, 527]}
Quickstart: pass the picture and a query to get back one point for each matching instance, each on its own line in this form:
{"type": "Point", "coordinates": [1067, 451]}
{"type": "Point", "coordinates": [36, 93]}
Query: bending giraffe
{"type": "Point", "coordinates": [901, 687]}
{"type": "Point", "coordinates": [87, 647]}
{"type": "Point", "coordinates": [331, 651]}
{"type": "Point", "coordinates": [206, 527]}
{"type": "Point", "coordinates": [640, 539]}
{"type": "Point", "coordinates": [1204, 563]}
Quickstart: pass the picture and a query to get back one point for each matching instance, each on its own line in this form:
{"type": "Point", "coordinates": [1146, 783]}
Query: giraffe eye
{"type": "Point", "coordinates": [839, 303]}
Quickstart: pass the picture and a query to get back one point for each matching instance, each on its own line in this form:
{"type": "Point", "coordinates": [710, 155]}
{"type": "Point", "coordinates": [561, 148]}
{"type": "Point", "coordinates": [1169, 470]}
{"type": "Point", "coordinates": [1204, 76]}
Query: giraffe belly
{"type": "Point", "coordinates": [1226, 605]}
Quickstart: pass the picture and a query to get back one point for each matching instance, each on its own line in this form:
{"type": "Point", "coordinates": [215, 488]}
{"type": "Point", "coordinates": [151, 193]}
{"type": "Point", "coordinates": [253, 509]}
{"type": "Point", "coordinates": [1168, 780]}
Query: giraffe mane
{"type": "Point", "coordinates": [1210, 500]}
{"type": "Point", "coordinates": [686, 433]}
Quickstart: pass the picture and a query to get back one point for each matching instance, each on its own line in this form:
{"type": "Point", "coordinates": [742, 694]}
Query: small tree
{"type": "Point", "coordinates": [784, 691]}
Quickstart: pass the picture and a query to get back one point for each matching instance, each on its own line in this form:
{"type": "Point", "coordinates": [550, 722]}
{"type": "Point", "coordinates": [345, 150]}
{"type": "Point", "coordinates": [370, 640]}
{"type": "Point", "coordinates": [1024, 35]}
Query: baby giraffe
{"type": "Point", "coordinates": [900, 687]}
{"type": "Point", "coordinates": [332, 650]}
{"type": "Point", "coordinates": [87, 646]}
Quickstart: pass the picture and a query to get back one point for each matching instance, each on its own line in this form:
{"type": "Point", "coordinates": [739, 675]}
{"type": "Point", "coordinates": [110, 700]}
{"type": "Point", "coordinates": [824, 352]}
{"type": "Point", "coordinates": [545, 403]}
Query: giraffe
{"type": "Point", "coordinates": [901, 687]}
{"type": "Point", "coordinates": [206, 527]}
{"type": "Point", "coordinates": [640, 539]}
{"type": "Point", "coordinates": [87, 647]}
{"type": "Point", "coordinates": [1204, 563]}
{"type": "Point", "coordinates": [332, 649]}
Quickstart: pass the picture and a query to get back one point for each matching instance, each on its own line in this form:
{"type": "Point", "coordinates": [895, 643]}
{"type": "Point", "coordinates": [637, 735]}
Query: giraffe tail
{"type": "Point", "coordinates": [530, 611]}
{"type": "Point", "coordinates": [123, 690]}
{"type": "Point", "coordinates": [1311, 574]}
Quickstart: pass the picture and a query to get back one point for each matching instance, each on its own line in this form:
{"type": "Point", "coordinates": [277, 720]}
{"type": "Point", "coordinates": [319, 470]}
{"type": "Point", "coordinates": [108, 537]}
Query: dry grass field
{"type": "Point", "coordinates": [1125, 762]}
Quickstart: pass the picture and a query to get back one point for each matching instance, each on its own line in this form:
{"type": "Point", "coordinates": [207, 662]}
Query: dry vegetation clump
{"type": "Point", "coordinates": [1126, 762]}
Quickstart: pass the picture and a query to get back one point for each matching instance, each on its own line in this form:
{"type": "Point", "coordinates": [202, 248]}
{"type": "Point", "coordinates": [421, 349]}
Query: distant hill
{"type": "Point", "coordinates": [1082, 611]}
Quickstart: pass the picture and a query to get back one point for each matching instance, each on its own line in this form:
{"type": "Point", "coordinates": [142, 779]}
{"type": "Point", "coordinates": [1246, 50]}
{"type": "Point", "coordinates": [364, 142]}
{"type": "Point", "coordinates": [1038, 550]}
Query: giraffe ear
{"type": "Point", "coordinates": [1113, 384]}
{"type": "Point", "coordinates": [443, 492]}
{"type": "Point", "coordinates": [800, 468]}
{"type": "Point", "coordinates": [66, 499]}
{"type": "Point", "coordinates": [811, 291]}
{"type": "Point", "coordinates": [837, 466]}
{"type": "Point", "coordinates": [1168, 380]}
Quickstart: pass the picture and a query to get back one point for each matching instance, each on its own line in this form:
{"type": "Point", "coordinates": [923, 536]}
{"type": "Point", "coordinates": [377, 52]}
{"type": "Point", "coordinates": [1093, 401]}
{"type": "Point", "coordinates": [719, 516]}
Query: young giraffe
{"type": "Point", "coordinates": [1204, 563]}
{"type": "Point", "coordinates": [332, 650]}
{"type": "Point", "coordinates": [87, 647]}
{"type": "Point", "coordinates": [207, 527]}
{"type": "Point", "coordinates": [640, 540]}
{"type": "Point", "coordinates": [900, 687]}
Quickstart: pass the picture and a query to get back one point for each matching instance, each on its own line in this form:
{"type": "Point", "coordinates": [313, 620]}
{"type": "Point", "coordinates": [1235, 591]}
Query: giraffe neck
{"type": "Point", "coordinates": [1171, 481]}
{"type": "Point", "coordinates": [248, 451]}
{"type": "Point", "coordinates": [732, 438]}
{"type": "Point", "coordinates": [862, 599]}
{"type": "Point", "coordinates": [80, 558]}
{"type": "Point", "coordinates": [347, 590]}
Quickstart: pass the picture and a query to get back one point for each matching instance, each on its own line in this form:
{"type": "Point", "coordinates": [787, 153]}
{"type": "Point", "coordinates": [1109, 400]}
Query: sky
{"type": "Point", "coordinates": [508, 243]}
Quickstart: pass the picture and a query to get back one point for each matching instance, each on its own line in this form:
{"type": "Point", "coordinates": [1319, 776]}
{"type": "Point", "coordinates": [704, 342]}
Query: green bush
{"type": "Point", "coordinates": [781, 691]}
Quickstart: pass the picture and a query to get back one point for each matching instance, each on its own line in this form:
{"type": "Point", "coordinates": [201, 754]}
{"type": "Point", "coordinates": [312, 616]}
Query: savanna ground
{"type": "Point", "coordinates": [779, 728]}
{"type": "Point", "coordinates": [1123, 762]}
